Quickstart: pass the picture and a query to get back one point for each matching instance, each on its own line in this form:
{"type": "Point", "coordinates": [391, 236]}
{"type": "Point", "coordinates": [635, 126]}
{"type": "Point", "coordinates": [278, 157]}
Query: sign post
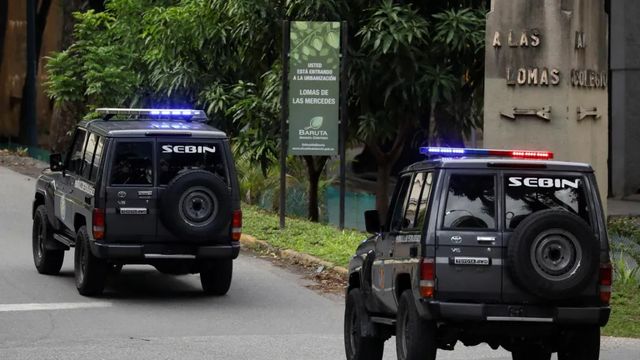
{"type": "Point", "coordinates": [314, 88]}
{"type": "Point", "coordinates": [313, 74]}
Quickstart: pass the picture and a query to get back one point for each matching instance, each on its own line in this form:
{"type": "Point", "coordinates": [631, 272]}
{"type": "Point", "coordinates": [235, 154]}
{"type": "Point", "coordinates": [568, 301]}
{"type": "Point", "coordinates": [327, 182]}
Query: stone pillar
{"type": "Point", "coordinates": [625, 92]}
{"type": "Point", "coordinates": [547, 78]}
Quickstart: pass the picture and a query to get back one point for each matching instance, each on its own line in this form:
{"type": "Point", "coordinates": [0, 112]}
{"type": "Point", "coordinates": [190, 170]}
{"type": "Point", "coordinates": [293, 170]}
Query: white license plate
{"type": "Point", "coordinates": [461, 260]}
{"type": "Point", "coordinates": [133, 211]}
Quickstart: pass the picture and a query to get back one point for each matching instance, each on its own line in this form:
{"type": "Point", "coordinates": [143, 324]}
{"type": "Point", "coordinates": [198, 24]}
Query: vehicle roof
{"type": "Point", "coordinates": [498, 163]}
{"type": "Point", "coordinates": [137, 128]}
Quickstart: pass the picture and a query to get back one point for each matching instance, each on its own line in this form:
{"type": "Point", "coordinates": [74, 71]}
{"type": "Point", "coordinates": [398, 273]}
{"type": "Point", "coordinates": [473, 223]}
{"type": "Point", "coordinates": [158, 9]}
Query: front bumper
{"type": "Point", "coordinates": [142, 253]}
{"type": "Point", "coordinates": [514, 313]}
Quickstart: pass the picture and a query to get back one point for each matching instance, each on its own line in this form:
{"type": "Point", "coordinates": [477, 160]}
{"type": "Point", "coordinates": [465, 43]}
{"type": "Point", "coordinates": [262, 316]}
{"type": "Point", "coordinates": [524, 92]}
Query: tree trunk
{"type": "Point", "coordinates": [4, 19]}
{"type": "Point", "coordinates": [385, 162]}
{"type": "Point", "coordinates": [315, 165]}
{"type": "Point", "coordinates": [63, 119]}
{"type": "Point", "coordinates": [65, 115]}
{"type": "Point", "coordinates": [41, 23]}
{"type": "Point", "coordinates": [382, 189]}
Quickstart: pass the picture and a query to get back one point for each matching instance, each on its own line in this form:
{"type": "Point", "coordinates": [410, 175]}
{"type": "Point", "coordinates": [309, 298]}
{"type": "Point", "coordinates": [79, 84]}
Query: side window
{"type": "Point", "coordinates": [421, 212]}
{"type": "Point", "coordinates": [132, 164]}
{"type": "Point", "coordinates": [92, 142]}
{"type": "Point", "coordinates": [97, 158]}
{"type": "Point", "coordinates": [74, 163]}
{"type": "Point", "coordinates": [397, 217]}
{"type": "Point", "coordinates": [471, 202]}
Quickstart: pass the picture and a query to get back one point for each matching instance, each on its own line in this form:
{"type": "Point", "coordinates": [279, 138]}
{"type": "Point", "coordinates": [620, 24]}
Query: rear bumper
{"type": "Point", "coordinates": [514, 313]}
{"type": "Point", "coordinates": [140, 253]}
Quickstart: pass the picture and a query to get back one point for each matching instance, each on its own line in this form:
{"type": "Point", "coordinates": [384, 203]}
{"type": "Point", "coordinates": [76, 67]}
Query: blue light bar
{"type": "Point", "coordinates": [179, 114]}
{"type": "Point", "coordinates": [458, 152]}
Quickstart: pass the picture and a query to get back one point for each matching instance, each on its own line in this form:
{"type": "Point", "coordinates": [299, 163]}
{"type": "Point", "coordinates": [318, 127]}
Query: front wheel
{"type": "Point", "coordinates": [581, 344]}
{"type": "Point", "coordinates": [90, 271]}
{"type": "Point", "coordinates": [357, 345]}
{"type": "Point", "coordinates": [48, 262]}
{"type": "Point", "coordinates": [415, 337]}
{"type": "Point", "coordinates": [215, 276]}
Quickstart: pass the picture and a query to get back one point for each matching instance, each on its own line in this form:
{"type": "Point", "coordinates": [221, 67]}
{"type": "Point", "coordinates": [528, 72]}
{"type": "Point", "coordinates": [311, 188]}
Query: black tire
{"type": "Point", "coordinates": [357, 345]}
{"type": "Point", "coordinates": [553, 254]}
{"type": "Point", "coordinates": [47, 262]}
{"type": "Point", "coordinates": [90, 271]}
{"type": "Point", "coordinates": [581, 343]}
{"type": "Point", "coordinates": [196, 204]}
{"type": "Point", "coordinates": [215, 276]}
{"type": "Point", "coordinates": [415, 337]}
{"type": "Point", "coordinates": [531, 353]}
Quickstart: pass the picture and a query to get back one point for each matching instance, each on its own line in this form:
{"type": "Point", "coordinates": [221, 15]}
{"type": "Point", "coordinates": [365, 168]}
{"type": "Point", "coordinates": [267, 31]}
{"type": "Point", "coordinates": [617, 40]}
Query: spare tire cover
{"type": "Point", "coordinates": [553, 254]}
{"type": "Point", "coordinates": [197, 204]}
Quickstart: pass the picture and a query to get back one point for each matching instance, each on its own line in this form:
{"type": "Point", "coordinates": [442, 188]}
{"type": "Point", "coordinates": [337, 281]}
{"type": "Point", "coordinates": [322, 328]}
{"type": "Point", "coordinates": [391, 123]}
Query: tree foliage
{"type": "Point", "coordinates": [415, 67]}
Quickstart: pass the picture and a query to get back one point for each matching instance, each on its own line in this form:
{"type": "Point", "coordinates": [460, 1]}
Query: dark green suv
{"type": "Point", "coordinates": [140, 186]}
{"type": "Point", "coordinates": [503, 247]}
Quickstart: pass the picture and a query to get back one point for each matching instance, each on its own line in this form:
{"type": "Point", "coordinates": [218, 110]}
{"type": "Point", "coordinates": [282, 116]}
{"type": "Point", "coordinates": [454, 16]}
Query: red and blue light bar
{"type": "Point", "coordinates": [460, 152]}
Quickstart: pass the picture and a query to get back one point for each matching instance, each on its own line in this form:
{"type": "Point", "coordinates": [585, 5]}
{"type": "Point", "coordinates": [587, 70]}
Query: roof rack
{"type": "Point", "coordinates": [154, 114]}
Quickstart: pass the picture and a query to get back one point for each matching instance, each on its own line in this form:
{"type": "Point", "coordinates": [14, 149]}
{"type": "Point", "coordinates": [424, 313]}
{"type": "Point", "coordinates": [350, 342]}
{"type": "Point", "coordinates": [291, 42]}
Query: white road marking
{"type": "Point", "coordinates": [53, 306]}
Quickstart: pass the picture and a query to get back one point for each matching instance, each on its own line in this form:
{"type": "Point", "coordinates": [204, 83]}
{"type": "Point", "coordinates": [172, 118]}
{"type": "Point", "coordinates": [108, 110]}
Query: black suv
{"type": "Point", "coordinates": [140, 186]}
{"type": "Point", "coordinates": [478, 248]}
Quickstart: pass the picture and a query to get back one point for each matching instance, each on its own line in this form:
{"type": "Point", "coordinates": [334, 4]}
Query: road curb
{"type": "Point", "coordinates": [251, 242]}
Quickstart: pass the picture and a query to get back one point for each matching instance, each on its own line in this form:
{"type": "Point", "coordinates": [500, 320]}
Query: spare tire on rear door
{"type": "Point", "coordinates": [553, 254]}
{"type": "Point", "coordinates": [196, 204]}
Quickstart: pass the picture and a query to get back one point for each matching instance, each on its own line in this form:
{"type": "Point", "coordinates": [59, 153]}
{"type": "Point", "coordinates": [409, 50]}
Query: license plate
{"type": "Point", "coordinates": [461, 260]}
{"type": "Point", "coordinates": [133, 211]}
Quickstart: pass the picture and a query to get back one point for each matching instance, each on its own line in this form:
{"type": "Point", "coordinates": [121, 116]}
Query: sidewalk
{"type": "Point", "coordinates": [626, 207]}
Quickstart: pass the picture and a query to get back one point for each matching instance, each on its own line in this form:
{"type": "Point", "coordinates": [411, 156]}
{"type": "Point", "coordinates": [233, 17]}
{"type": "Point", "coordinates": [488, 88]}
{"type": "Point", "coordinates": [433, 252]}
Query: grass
{"type": "Point", "coordinates": [322, 241]}
{"type": "Point", "coordinates": [625, 315]}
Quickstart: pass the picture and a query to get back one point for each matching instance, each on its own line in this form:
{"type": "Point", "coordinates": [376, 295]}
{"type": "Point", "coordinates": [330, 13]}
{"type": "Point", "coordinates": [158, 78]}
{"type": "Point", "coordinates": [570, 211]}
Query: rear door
{"type": "Point", "coordinates": [468, 240]}
{"type": "Point", "coordinates": [131, 203]}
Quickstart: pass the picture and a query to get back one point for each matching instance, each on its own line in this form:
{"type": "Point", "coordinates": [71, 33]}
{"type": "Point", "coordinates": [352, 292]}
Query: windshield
{"type": "Point", "coordinates": [525, 195]}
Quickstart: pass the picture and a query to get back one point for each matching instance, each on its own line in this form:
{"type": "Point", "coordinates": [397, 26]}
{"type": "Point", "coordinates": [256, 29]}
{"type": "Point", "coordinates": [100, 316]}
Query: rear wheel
{"type": "Point", "coordinates": [215, 276]}
{"type": "Point", "coordinates": [48, 262]}
{"type": "Point", "coordinates": [415, 337]}
{"type": "Point", "coordinates": [357, 345]}
{"type": "Point", "coordinates": [531, 353]}
{"type": "Point", "coordinates": [581, 344]}
{"type": "Point", "coordinates": [90, 271]}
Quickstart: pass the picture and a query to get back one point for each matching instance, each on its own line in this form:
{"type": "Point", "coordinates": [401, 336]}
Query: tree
{"type": "Point", "coordinates": [415, 69]}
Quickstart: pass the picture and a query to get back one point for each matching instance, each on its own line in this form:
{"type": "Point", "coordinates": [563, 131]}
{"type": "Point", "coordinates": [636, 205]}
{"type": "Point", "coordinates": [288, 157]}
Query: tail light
{"type": "Point", "coordinates": [98, 224]}
{"type": "Point", "coordinates": [236, 225]}
{"type": "Point", "coordinates": [427, 277]}
{"type": "Point", "coordinates": [606, 279]}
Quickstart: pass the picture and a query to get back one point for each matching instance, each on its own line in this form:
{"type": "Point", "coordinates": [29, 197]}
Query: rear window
{"type": "Point", "coordinates": [525, 195]}
{"type": "Point", "coordinates": [133, 164]}
{"type": "Point", "coordinates": [470, 202]}
{"type": "Point", "coordinates": [177, 157]}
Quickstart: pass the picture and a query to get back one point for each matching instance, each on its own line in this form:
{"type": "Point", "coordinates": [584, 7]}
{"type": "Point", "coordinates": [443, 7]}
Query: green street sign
{"type": "Point", "coordinates": [314, 88]}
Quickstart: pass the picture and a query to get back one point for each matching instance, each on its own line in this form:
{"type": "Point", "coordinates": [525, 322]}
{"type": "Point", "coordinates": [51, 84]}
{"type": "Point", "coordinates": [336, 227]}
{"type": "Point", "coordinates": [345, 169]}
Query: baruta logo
{"type": "Point", "coordinates": [314, 128]}
{"type": "Point", "coordinates": [543, 182]}
{"type": "Point", "coordinates": [187, 149]}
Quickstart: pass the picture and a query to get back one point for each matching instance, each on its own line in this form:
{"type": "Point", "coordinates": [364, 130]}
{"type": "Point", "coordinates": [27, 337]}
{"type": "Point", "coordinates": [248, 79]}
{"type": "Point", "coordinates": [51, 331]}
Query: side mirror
{"type": "Point", "coordinates": [55, 162]}
{"type": "Point", "coordinates": [372, 221]}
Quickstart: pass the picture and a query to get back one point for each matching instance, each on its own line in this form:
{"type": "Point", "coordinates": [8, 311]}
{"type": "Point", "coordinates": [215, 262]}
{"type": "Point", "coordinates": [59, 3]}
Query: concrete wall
{"type": "Point", "coordinates": [625, 93]}
{"type": "Point", "coordinates": [547, 78]}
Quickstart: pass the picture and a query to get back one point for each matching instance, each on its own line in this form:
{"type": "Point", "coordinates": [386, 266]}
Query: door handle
{"type": "Point", "coordinates": [486, 239]}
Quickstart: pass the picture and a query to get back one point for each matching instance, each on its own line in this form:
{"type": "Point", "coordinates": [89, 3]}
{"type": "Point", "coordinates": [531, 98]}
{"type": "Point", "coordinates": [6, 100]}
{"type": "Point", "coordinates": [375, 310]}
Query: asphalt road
{"type": "Point", "coordinates": [268, 314]}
